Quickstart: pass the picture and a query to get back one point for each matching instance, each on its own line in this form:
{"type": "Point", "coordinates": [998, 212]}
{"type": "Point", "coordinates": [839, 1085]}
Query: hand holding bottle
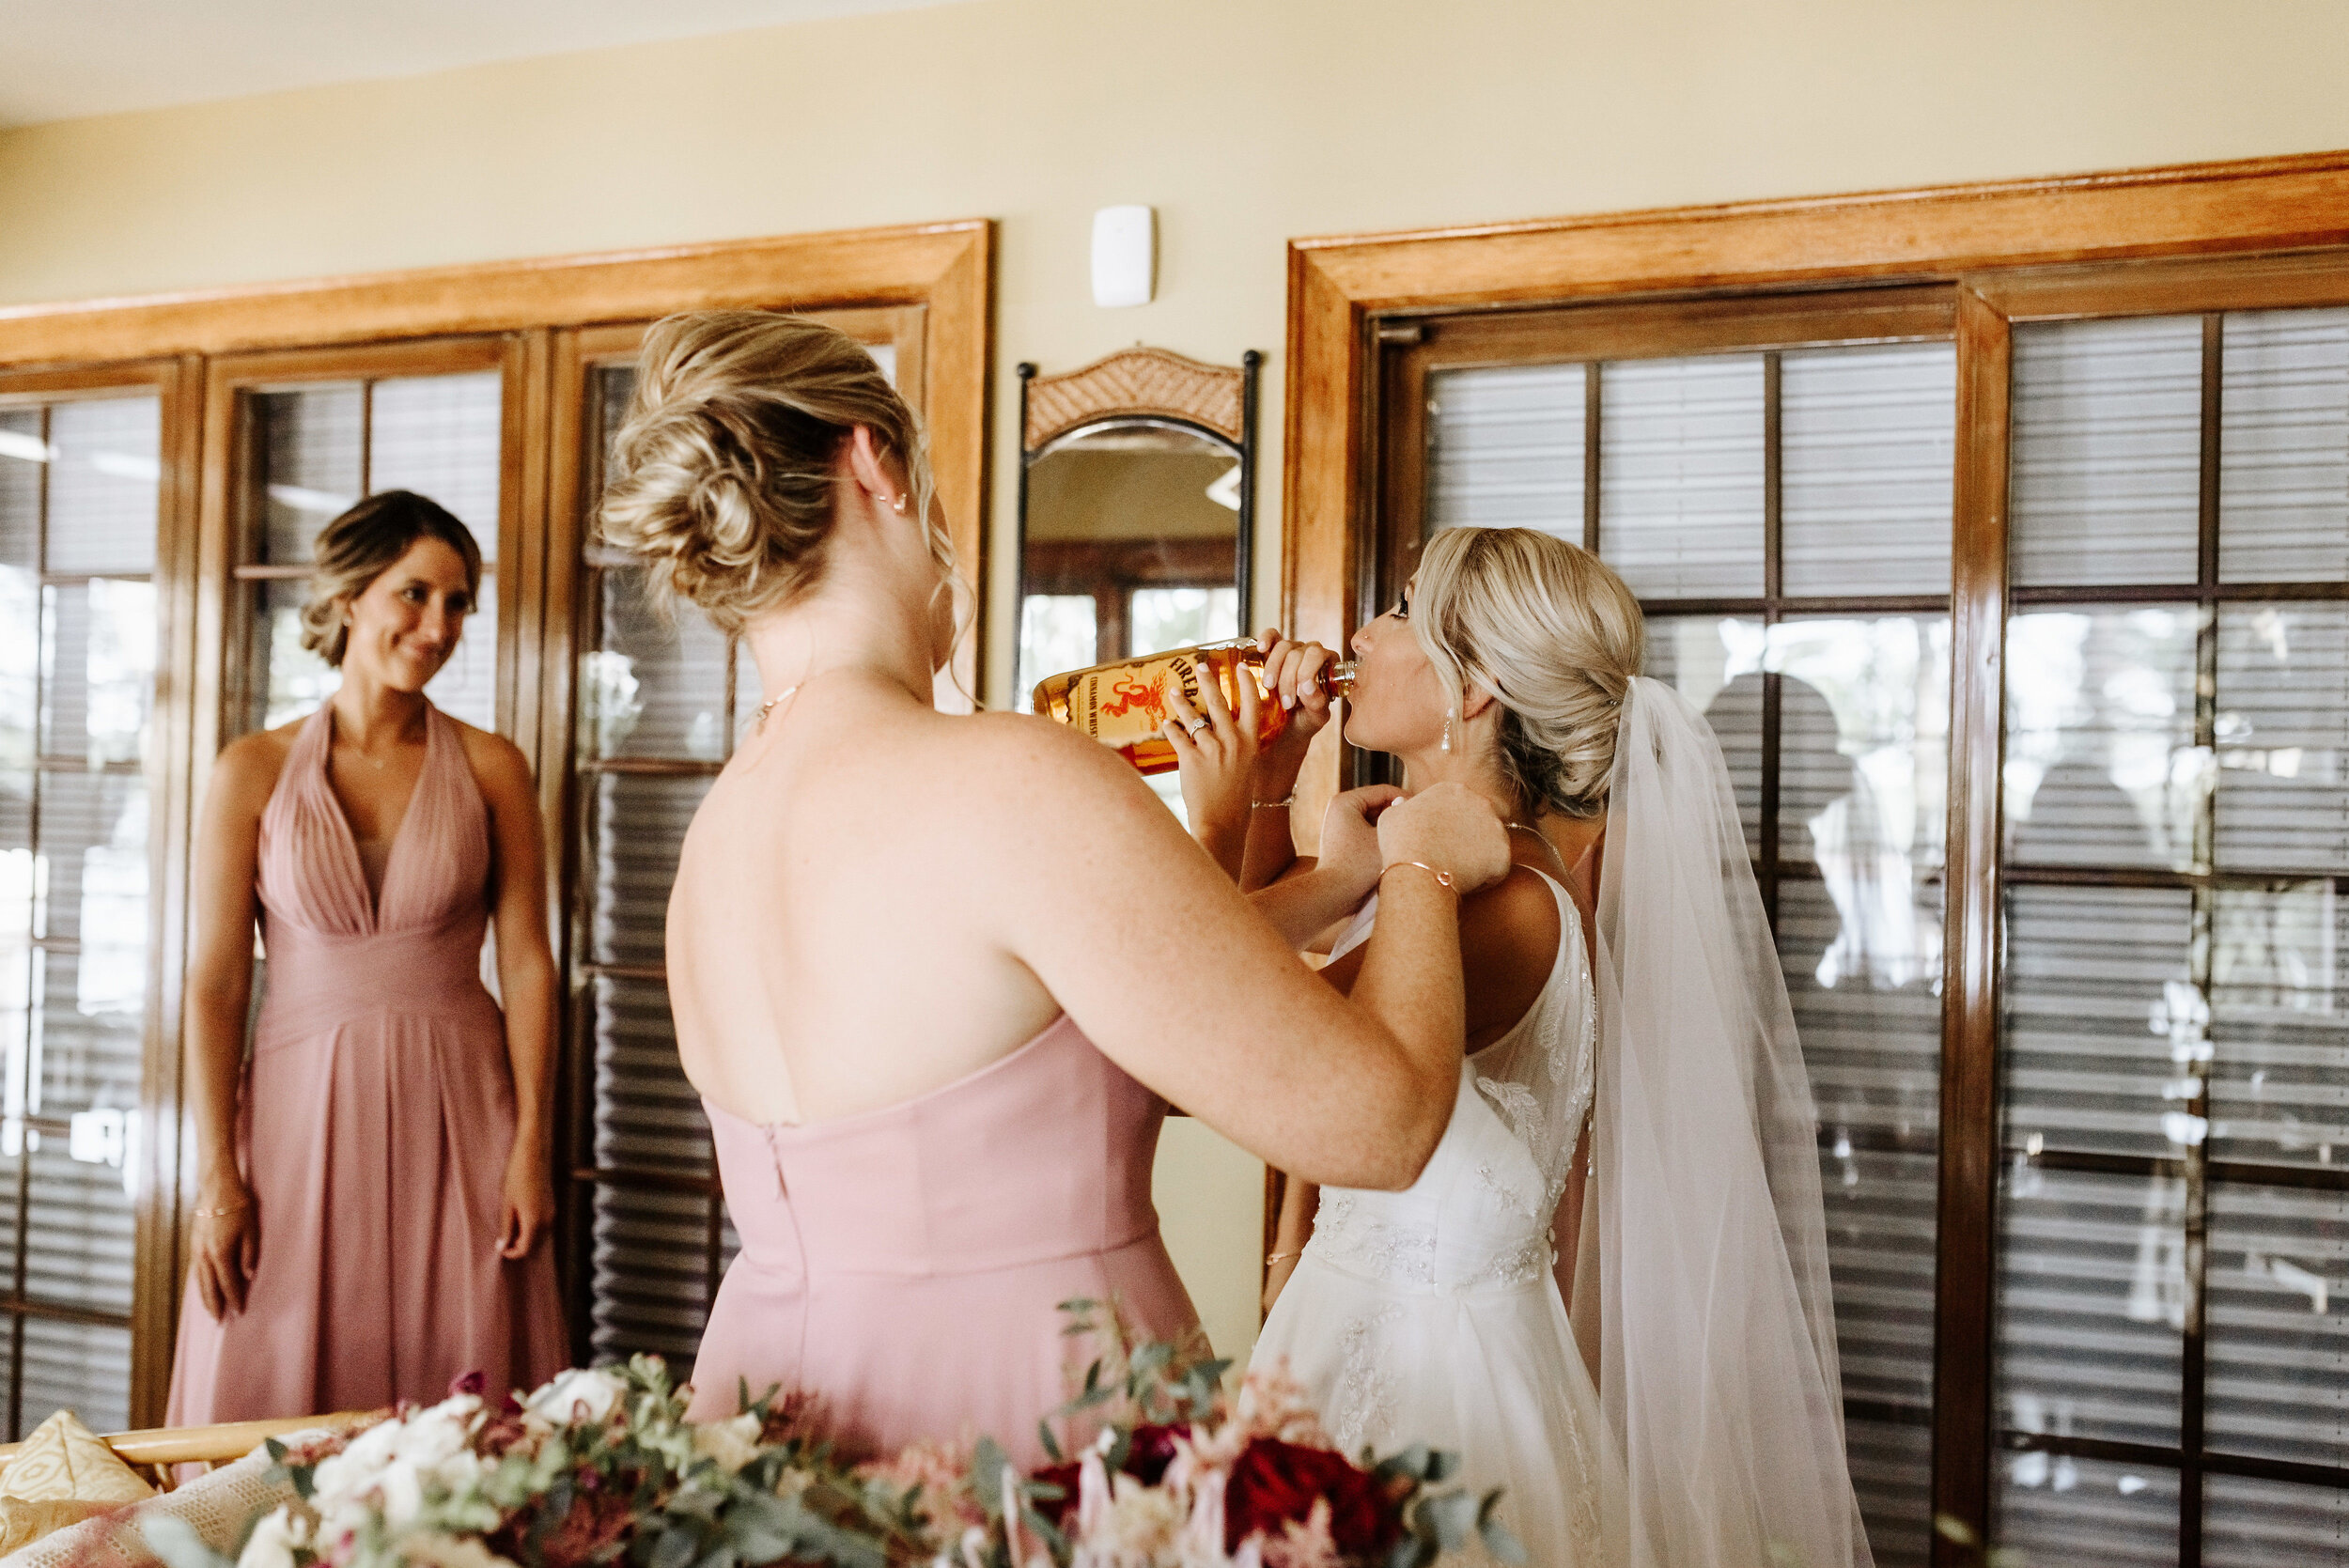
{"type": "Point", "coordinates": [1292, 677]}
{"type": "Point", "coordinates": [1448, 828]}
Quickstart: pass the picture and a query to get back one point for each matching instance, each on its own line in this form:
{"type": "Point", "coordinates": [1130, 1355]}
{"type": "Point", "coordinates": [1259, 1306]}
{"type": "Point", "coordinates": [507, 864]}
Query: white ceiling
{"type": "Point", "coordinates": [64, 59]}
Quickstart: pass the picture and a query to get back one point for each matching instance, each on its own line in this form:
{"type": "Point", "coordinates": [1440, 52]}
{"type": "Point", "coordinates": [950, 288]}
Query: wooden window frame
{"type": "Point", "coordinates": [2251, 234]}
{"type": "Point", "coordinates": [178, 385]}
{"type": "Point", "coordinates": [198, 350]}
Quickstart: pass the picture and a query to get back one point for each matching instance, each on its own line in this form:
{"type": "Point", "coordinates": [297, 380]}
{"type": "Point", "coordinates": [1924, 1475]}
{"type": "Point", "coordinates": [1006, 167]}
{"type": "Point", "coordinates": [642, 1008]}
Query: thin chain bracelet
{"type": "Point", "coordinates": [1443, 876]}
{"type": "Point", "coordinates": [1288, 800]}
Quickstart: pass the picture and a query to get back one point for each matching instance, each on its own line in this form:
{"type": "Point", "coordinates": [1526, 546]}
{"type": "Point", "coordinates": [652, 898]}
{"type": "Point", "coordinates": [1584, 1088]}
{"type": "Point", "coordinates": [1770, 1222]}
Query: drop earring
{"type": "Point", "coordinates": [898, 505]}
{"type": "Point", "coordinates": [1447, 732]}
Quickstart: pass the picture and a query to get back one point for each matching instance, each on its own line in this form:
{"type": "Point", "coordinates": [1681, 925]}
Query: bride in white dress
{"type": "Point", "coordinates": [1632, 1131]}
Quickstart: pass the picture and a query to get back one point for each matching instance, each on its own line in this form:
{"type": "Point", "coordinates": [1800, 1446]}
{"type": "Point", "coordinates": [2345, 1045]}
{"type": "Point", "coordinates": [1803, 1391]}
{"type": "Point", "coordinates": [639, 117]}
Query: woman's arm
{"type": "Point", "coordinates": [1299, 1202]}
{"type": "Point", "coordinates": [1087, 881]}
{"type": "Point", "coordinates": [226, 1242]}
{"type": "Point", "coordinates": [526, 984]}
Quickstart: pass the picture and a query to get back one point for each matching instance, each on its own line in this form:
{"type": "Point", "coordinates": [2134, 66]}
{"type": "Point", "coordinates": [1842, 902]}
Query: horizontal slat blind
{"type": "Point", "coordinates": [1866, 440]}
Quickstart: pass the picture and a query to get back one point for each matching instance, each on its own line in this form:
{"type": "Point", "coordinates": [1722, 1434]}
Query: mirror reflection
{"type": "Point", "coordinates": [1131, 544]}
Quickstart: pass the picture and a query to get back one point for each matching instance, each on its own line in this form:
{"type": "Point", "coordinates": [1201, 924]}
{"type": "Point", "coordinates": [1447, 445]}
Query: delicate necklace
{"type": "Point", "coordinates": [771, 705]}
{"type": "Point", "coordinates": [1556, 859]}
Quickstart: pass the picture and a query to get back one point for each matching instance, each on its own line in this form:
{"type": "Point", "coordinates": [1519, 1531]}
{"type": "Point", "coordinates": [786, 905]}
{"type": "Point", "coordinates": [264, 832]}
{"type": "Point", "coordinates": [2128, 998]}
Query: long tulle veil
{"type": "Point", "coordinates": [1717, 1368]}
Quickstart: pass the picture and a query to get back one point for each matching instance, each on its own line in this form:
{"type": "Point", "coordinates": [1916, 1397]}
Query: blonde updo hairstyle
{"type": "Point", "coordinates": [722, 474]}
{"type": "Point", "coordinates": [360, 545]}
{"type": "Point", "coordinates": [1553, 634]}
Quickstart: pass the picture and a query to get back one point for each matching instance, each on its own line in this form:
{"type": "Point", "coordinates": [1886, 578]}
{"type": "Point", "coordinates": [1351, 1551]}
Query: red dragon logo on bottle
{"type": "Point", "coordinates": [1133, 692]}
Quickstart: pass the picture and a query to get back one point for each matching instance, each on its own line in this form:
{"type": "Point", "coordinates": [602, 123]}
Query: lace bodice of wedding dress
{"type": "Point", "coordinates": [1432, 1314]}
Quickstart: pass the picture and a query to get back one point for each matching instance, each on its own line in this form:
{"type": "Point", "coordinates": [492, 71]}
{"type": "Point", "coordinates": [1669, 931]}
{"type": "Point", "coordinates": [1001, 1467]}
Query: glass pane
{"type": "Point", "coordinates": [311, 442]}
{"type": "Point", "coordinates": [2279, 1327]}
{"type": "Point", "coordinates": [614, 385]}
{"type": "Point", "coordinates": [1867, 453]}
{"type": "Point", "coordinates": [2279, 1026]}
{"type": "Point", "coordinates": [98, 670]}
{"type": "Point", "coordinates": [2067, 1512]}
{"type": "Point", "coordinates": [1506, 448]}
{"type": "Point", "coordinates": [1057, 632]}
{"type": "Point", "coordinates": [103, 484]}
{"type": "Point", "coordinates": [647, 1116]}
{"type": "Point", "coordinates": [2283, 741]}
{"type": "Point", "coordinates": [2283, 447]}
{"type": "Point", "coordinates": [1717, 664]}
{"type": "Point", "coordinates": [640, 826]}
{"type": "Point", "coordinates": [1179, 617]}
{"type": "Point", "coordinates": [288, 678]}
{"type": "Point", "coordinates": [2107, 421]}
{"type": "Point", "coordinates": [2091, 1303]}
{"type": "Point", "coordinates": [2271, 1524]}
{"type": "Point", "coordinates": [2101, 767]}
{"type": "Point", "coordinates": [23, 456]}
{"type": "Point", "coordinates": [93, 873]}
{"type": "Point", "coordinates": [80, 1367]}
{"type": "Point", "coordinates": [1864, 731]}
{"type": "Point", "coordinates": [1872, 1041]}
{"type": "Point", "coordinates": [79, 1235]}
{"type": "Point", "coordinates": [884, 356]}
{"type": "Point", "coordinates": [1680, 492]}
{"type": "Point", "coordinates": [1892, 1470]}
{"type": "Point", "coordinates": [2104, 1030]}
{"type": "Point", "coordinates": [467, 683]}
{"type": "Point", "coordinates": [652, 1285]}
{"type": "Point", "coordinates": [440, 436]}
{"type": "Point", "coordinates": [87, 1032]}
{"type": "Point", "coordinates": [19, 663]}
{"type": "Point", "coordinates": [658, 685]}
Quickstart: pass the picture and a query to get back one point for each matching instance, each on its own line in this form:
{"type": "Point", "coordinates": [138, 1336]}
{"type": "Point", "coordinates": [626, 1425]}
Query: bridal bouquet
{"type": "Point", "coordinates": [601, 1468]}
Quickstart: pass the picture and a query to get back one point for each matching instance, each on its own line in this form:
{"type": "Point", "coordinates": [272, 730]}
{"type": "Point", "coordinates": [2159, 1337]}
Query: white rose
{"type": "Point", "coordinates": [434, 1435]}
{"type": "Point", "coordinates": [732, 1443]}
{"type": "Point", "coordinates": [273, 1541]}
{"type": "Point", "coordinates": [429, 1548]}
{"type": "Point", "coordinates": [403, 1493]}
{"type": "Point", "coordinates": [582, 1393]}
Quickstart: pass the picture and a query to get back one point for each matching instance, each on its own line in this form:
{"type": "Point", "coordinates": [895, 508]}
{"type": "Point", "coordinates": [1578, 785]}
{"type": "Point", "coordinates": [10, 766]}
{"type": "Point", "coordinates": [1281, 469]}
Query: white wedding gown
{"type": "Point", "coordinates": [1433, 1315]}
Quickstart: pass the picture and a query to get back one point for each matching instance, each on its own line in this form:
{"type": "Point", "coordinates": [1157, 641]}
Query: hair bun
{"type": "Point", "coordinates": [723, 471]}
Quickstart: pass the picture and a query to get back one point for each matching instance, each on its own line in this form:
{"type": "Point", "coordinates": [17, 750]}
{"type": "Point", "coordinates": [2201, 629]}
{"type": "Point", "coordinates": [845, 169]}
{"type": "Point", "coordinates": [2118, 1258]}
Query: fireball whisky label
{"type": "Point", "coordinates": [1128, 702]}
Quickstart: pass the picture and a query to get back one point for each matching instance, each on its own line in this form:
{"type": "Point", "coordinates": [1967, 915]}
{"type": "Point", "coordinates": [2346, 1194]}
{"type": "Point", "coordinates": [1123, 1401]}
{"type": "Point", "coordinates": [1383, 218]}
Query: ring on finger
{"type": "Point", "coordinates": [1197, 725]}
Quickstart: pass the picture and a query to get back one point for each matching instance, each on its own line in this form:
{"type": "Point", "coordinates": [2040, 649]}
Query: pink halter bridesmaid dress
{"type": "Point", "coordinates": [375, 1122]}
{"type": "Point", "coordinates": [907, 1265]}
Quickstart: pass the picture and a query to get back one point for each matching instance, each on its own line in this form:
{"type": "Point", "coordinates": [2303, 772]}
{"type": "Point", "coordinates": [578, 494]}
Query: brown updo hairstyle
{"type": "Point", "coordinates": [360, 545]}
{"type": "Point", "coordinates": [1553, 634]}
{"type": "Point", "coordinates": [722, 474]}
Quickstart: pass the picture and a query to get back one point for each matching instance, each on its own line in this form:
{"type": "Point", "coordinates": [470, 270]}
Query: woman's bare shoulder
{"type": "Point", "coordinates": [494, 760]}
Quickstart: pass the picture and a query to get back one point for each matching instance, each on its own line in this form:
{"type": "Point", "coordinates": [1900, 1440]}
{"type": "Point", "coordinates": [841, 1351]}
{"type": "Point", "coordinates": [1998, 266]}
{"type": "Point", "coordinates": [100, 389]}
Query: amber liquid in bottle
{"type": "Point", "coordinates": [1125, 704]}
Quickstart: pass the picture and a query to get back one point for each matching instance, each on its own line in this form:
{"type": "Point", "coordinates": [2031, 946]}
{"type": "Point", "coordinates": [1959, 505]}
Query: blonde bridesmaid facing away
{"type": "Point", "coordinates": [937, 977]}
{"type": "Point", "coordinates": [373, 1192]}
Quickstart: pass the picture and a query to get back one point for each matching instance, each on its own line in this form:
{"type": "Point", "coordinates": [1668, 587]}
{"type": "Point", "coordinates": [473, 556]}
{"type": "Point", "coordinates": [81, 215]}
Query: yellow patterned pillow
{"type": "Point", "coordinates": [61, 1475]}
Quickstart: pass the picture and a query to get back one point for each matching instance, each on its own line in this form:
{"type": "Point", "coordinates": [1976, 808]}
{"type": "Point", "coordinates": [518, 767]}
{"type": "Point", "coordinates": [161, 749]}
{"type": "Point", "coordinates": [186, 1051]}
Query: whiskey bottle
{"type": "Point", "coordinates": [1124, 705]}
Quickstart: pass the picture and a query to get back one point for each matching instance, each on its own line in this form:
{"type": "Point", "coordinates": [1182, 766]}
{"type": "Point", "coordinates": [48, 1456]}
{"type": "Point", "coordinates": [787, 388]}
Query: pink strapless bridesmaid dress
{"type": "Point", "coordinates": [907, 1265]}
{"type": "Point", "coordinates": [376, 1118]}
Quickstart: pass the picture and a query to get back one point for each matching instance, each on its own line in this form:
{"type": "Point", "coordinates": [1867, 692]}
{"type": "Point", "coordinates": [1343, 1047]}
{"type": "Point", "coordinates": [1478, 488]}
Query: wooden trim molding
{"type": "Point", "coordinates": [1340, 288]}
{"type": "Point", "coordinates": [1138, 382]}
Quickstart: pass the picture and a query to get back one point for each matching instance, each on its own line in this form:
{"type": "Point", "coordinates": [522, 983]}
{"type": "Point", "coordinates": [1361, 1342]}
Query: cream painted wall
{"type": "Point", "coordinates": [1244, 122]}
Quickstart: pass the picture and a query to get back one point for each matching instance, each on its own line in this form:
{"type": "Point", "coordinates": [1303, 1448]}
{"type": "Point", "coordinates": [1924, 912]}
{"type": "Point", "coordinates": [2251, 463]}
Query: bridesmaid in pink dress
{"type": "Point", "coordinates": [374, 1191]}
{"type": "Point", "coordinates": [938, 977]}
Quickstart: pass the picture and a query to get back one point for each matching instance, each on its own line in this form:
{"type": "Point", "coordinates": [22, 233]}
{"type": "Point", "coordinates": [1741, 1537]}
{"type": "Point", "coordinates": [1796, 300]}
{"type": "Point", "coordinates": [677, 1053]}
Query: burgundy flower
{"type": "Point", "coordinates": [1063, 1475]}
{"type": "Point", "coordinates": [473, 1382]}
{"type": "Point", "coordinates": [1151, 1451]}
{"type": "Point", "coordinates": [1273, 1483]}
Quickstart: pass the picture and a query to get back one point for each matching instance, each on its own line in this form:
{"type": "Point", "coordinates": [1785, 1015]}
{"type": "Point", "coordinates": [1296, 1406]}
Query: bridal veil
{"type": "Point", "coordinates": [1717, 1368]}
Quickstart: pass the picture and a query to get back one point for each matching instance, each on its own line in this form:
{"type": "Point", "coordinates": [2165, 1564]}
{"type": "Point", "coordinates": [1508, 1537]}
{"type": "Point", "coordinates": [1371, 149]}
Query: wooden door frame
{"type": "Point", "coordinates": [197, 348]}
{"type": "Point", "coordinates": [2038, 249]}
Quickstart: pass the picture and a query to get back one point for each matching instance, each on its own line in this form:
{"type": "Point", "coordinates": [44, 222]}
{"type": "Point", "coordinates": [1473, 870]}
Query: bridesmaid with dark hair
{"type": "Point", "coordinates": [373, 1190]}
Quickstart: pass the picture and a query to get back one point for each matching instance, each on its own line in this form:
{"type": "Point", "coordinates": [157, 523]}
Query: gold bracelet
{"type": "Point", "coordinates": [1288, 800]}
{"type": "Point", "coordinates": [1443, 876]}
{"type": "Point", "coordinates": [1271, 1258]}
